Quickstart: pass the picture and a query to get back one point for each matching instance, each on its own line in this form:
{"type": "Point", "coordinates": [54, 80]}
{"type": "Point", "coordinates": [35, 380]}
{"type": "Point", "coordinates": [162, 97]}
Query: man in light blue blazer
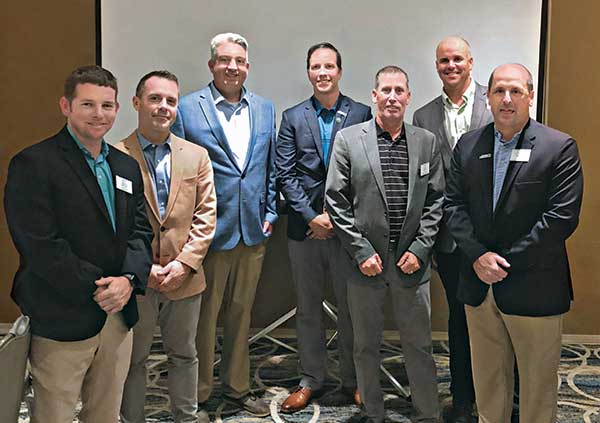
{"type": "Point", "coordinates": [237, 128]}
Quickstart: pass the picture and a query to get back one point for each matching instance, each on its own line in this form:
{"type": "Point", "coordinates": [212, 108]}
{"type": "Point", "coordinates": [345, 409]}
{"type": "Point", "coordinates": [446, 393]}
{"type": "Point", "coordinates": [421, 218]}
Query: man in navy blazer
{"type": "Point", "coordinates": [237, 127]}
{"type": "Point", "coordinates": [75, 209]}
{"type": "Point", "coordinates": [304, 146]}
{"type": "Point", "coordinates": [513, 197]}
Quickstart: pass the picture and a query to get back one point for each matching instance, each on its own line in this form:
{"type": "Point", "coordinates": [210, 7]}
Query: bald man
{"type": "Point", "coordinates": [461, 107]}
{"type": "Point", "coordinates": [512, 199]}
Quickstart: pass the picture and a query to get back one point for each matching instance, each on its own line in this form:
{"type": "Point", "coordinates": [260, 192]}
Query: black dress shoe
{"type": "Point", "coordinates": [462, 414]}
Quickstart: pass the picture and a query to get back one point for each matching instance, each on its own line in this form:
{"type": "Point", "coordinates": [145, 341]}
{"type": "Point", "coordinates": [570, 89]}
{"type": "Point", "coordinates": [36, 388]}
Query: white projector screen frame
{"type": "Point", "coordinates": [138, 36]}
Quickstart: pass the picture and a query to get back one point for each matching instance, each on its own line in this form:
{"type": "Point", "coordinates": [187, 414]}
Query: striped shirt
{"type": "Point", "coordinates": [393, 155]}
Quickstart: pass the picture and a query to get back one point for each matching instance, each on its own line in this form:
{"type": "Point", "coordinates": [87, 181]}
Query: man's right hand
{"type": "Point", "coordinates": [320, 227]}
{"type": "Point", "coordinates": [490, 267]}
{"type": "Point", "coordinates": [371, 266]}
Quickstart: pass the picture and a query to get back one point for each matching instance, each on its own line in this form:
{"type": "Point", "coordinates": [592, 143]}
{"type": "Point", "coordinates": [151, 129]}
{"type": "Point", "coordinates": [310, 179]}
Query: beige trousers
{"type": "Point", "coordinates": [496, 339]}
{"type": "Point", "coordinates": [94, 368]}
{"type": "Point", "coordinates": [231, 280]}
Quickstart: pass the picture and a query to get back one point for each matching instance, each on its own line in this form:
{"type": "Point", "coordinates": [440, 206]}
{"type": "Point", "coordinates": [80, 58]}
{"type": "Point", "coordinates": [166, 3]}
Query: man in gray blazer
{"type": "Point", "coordinates": [461, 107]}
{"type": "Point", "coordinates": [384, 196]}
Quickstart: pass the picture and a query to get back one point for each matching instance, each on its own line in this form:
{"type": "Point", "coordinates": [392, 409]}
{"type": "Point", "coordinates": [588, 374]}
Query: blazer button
{"type": "Point", "coordinates": [162, 229]}
{"type": "Point", "coordinates": [385, 235]}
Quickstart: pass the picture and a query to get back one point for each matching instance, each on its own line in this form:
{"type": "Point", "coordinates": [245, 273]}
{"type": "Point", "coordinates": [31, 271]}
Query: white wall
{"type": "Point", "coordinates": [143, 35]}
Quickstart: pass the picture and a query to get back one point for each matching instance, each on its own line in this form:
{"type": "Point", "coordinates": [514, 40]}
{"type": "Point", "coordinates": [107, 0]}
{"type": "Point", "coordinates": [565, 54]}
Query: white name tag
{"type": "Point", "coordinates": [521, 155]}
{"type": "Point", "coordinates": [124, 184]}
{"type": "Point", "coordinates": [485, 156]}
{"type": "Point", "coordinates": [425, 169]}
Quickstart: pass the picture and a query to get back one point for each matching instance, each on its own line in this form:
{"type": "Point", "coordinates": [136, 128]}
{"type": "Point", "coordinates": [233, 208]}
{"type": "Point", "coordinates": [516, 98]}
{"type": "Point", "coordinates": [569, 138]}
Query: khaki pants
{"type": "Point", "coordinates": [496, 339]}
{"type": "Point", "coordinates": [231, 280]}
{"type": "Point", "coordinates": [94, 368]}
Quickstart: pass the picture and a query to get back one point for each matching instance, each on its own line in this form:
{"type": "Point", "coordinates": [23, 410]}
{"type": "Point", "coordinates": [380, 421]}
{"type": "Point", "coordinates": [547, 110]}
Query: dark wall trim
{"type": "Point", "coordinates": [542, 61]}
{"type": "Point", "coordinates": [98, 33]}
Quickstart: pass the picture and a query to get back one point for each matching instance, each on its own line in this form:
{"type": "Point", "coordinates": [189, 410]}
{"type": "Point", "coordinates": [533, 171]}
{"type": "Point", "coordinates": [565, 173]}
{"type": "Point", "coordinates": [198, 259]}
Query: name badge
{"type": "Point", "coordinates": [485, 156]}
{"type": "Point", "coordinates": [424, 169]}
{"type": "Point", "coordinates": [124, 184]}
{"type": "Point", "coordinates": [520, 155]}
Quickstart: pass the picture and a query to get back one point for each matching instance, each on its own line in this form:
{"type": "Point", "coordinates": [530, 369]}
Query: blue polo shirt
{"type": "Point", "coordinates": [103, 174]}
{"type": "Point", "coordinates": [326, 118]}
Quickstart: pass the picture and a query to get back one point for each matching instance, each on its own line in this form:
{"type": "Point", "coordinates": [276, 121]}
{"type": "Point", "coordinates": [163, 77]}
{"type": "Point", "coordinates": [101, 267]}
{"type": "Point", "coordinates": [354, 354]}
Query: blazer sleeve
{"type": "Point", "coordinates": [561, 216]}
{"type": "Point", "coordinates": [339, 203]}
{"type": "Point", "coordinates": [204, 219]}
{"type": "Point", "coordinates": [286, 171]}
{"type": "Point", "coordinates": [138, 255]}
{"type": "Point", "coordinates": [271, 206]}
{"type": "Point", "coordinates": [31, 220]}
{"type": "Point", "coordinates": [456, 210]}
{"type": "Point", "coordinates": [432, 208]}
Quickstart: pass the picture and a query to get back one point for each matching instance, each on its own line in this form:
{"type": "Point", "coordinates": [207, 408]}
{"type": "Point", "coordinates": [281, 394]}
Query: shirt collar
{"type": "Point", "coordinates": [104, 150]}
{"type": "Point", "coordinates": [218, 97]}
{"type": "Point", "coordinates": [513, 140]}
{"type": "Point", "coordinates": [382, 132]}
{"type": "Point", "coordinates": [319, 107]}
{"type": "Point", "coordinates": [144, 143]}
{"type": "Point", "coordinates": [467, 96]}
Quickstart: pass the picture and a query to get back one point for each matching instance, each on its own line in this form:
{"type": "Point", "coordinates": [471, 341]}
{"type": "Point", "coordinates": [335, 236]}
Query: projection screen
{"type": "Point", "coordinates": [138, 36]}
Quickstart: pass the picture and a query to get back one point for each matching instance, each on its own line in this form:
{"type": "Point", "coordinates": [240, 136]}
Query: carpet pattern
{"type": "Point", "coordinates": [275, 374]}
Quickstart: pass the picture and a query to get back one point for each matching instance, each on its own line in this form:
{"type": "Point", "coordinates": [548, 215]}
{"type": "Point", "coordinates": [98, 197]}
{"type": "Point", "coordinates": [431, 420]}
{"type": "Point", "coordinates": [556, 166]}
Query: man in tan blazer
{"type": "Point", "coordinates": [181, 204]}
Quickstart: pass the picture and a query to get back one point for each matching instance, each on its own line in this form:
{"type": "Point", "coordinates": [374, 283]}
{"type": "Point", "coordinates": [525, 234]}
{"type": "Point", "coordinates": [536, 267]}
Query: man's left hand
{"type": "Point", "coordinates": [408, 263]}
{"type": "Point", "coordinates": [112, 293]}
{"type": "Point", "coordinates": [267, 228]}
{"type": "Point", "coordinates": [174, 274]}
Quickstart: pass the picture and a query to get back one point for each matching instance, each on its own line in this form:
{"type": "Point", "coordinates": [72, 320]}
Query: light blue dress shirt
{"type": "Point", "coordinates": [502, 152]}
{"type": "Point", "coordinates": [101, 170]}
{"type": "Point", "coordinates": [158, 159]}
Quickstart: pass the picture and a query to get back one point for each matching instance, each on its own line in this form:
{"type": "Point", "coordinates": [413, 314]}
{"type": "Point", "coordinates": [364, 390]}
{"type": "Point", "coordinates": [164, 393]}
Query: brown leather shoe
{"type": "Point", "coordinates": [357, 399]}
{"type": "Point", "coordinates": [296, 401]}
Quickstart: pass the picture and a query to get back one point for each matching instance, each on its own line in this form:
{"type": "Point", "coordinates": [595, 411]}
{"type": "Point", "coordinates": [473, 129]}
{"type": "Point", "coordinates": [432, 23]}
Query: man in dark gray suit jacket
{"type": "Point", "coordinates": [460, 108]}
{"type": "Point", "coordinates": [303, 149]}
{"type": "Point", "coordinates": [384, 196]}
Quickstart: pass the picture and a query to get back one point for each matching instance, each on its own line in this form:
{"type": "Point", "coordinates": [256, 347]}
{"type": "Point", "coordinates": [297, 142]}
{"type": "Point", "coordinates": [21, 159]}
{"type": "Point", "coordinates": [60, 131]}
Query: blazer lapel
{"type": "Point", "coordinates": [177, 159]}
{"type": "Point", "coordinates": [77, 161]}
{"type": "Point", "coordinates": [116, 167]}
{"type": "Point", "coordinates": [525, 142]}
{"type": "Point", "coordinates": [369, 141]}
{"type": "Point", "coordinates": [340, 116]}
{"type": "Point", "coordinates": [255, 117]}
{"type": "Point", "coordinates": [414, 148]}
{"type": "Point", "coordinates": [210, 113]}
{"type": "Point", "coordinates": [135, 150]}
{"type": "Point", "coordinates": [313, 124]}
{"type": "Point", "coordinates": [484, 161]}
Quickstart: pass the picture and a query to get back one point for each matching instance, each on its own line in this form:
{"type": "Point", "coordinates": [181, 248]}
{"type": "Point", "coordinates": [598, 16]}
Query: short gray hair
{"type": "Point", "coordinates": [227, 37]}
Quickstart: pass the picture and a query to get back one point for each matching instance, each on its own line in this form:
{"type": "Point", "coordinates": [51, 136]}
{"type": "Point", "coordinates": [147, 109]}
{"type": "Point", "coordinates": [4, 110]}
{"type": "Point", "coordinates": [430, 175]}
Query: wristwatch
{"type": "Point", "coordinates": [131, 277]}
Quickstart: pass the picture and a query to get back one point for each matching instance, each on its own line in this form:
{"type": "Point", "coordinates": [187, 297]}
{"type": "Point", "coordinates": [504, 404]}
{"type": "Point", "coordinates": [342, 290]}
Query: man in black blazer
{"type": "Point", "coordinates": [513, 197]}
{"type": "Point", "coordinates": [304, 146]}
{"type": "Point", "coordinates": [461, 107]}
{"type": "Point", "coordinates": [75, 209]}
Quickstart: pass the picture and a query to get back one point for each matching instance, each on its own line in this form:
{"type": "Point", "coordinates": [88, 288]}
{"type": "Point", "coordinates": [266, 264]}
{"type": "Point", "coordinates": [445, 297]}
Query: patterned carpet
{"type": "Point", "coordinates": [274, 370]}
